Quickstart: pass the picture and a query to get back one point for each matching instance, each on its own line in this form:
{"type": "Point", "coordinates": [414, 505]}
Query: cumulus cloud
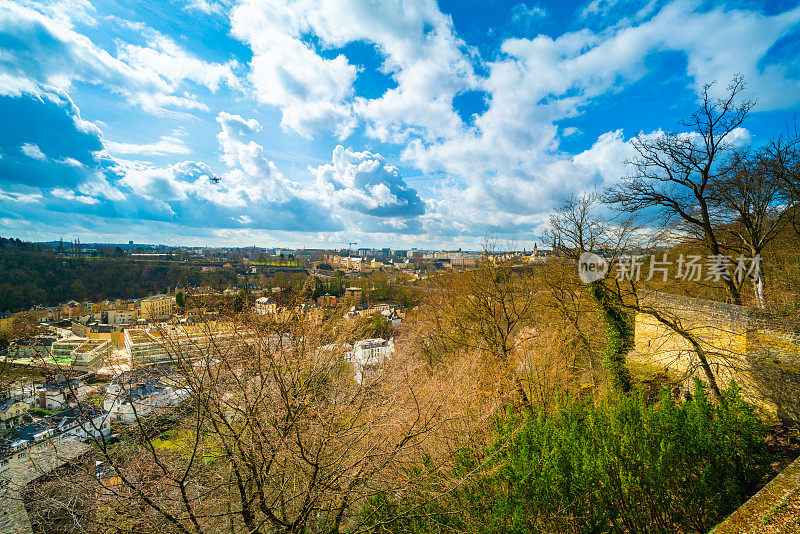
{"type": "Point", "coordinates": [363, 182]}
{"type": "Point", "coordinates": [250, 173]}
{"type": "Point", "coordinates": [498, 172]}
{"type": "Point", "coordinates": [42, 51]}
{"type": "Point", "coordinates": [50, 144]}
{"type": "Point", "coordinates": [417, 41]}
{"type": "Point", "coordinates": [511, 162]}
{"type": "Point", "coordinates": [79, 176]}
{"type": "Point", "coordinates": [287, 72]}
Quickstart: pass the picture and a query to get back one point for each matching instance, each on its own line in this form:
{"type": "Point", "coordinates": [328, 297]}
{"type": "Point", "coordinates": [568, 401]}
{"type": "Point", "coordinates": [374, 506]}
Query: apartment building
{"type": "Point", "coordinates": [122, 316]}
{"type": "Point", "coordinates": [157, 307]}
{"type": "Point", "coordinates": [367, 357]}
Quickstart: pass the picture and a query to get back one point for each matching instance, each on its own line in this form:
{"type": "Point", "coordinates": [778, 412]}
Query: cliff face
{"type": "Point", "coordinates": [758, 350]}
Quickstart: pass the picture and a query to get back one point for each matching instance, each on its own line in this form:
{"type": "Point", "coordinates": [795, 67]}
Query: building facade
{"type": "Point", "coordinates": [121, 316]}
{"type": "Point", "coordinates": [266, 306]}
{"type": "Point", "coordinates": [157, 307]}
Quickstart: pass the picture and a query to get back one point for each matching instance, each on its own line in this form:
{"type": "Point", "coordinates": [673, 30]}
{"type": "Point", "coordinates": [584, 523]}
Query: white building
{"type": "Point", "coordinates": [120, 317]}
{"type": "Point", "coordinates": [127, 402]}
{"type": "Point", "coordinates": [266, 306]}
{"type": "Point", "coordinates": [368, 355]}
{"type": "Point", "coordinates": [56, 396]}
{"type": "Point", "coordinates": [87, 422]}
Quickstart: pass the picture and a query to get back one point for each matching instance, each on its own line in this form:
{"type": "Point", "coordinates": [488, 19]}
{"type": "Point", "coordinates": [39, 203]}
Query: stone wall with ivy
{"type": "Point", "coordinates": [760, 350]}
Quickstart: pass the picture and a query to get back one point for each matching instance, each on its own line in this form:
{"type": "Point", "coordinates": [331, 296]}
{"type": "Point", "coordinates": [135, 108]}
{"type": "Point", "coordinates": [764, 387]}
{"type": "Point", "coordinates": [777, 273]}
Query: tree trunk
{"type": "Point", "coordinates": [758, 287]}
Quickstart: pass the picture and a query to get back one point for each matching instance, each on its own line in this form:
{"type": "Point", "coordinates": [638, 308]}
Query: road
{"type": "Point", "coordinates": [24, 468]}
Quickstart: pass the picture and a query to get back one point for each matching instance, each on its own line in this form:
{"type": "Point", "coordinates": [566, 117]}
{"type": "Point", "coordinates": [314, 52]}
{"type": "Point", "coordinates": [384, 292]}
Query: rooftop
{"type": "Point", "coordinates": [155, 298]}
{"type": "Point", "coordinates": [56, 423]}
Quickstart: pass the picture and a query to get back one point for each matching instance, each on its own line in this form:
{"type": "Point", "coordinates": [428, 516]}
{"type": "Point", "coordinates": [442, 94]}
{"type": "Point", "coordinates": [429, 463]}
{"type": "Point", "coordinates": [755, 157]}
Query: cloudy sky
{"type": "Point", "coordinates": [406, 123]}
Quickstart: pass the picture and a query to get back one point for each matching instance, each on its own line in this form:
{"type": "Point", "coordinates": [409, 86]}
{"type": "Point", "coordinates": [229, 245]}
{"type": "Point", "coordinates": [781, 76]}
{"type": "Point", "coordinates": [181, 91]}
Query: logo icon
{"type": "Point", "coordinates": [592, 267]}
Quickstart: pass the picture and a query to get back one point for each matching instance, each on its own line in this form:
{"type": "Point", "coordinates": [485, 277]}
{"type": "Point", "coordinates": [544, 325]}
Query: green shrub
{"type": "Point", "coordinates": [621, 466]}
{"type": "Point", "coordinates": [41, 412]}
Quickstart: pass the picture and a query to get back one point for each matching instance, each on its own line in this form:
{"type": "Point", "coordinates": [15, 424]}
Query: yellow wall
{"type": "Point", "coordinates": [150, 308]}
{"type": "Point", "coordinates": [760, 353]}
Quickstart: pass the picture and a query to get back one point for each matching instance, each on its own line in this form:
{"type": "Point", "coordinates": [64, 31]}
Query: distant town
{"type": "Point", "coordinates": [112, 356]}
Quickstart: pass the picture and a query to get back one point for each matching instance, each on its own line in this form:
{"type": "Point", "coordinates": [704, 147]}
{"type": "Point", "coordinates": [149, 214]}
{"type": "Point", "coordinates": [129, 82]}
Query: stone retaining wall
{"type": "Point", "coordinates": [759, 350]}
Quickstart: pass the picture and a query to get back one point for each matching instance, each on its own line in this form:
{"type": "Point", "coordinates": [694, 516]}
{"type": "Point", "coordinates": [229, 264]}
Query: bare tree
{"type": "Point", "coordinates": [275, 435]}
{"type": "Point", "coordinates": [480, 310]}
{"type": "Point", "coordinates": [577, 228]}
{"type": "Point", "coordinates": [675, 174]}
{"type": "Point", "coordinates": [753, 193]}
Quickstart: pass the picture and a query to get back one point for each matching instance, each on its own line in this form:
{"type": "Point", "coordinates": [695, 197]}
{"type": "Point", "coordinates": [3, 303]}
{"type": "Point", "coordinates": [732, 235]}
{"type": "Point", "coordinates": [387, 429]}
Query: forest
{"type": "Point", "coordinates": [34, 275]}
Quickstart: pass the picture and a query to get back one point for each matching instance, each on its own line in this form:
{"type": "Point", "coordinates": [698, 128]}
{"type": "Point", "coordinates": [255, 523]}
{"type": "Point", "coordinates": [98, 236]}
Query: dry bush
{"type": "Point", "coordinates": [549, 366]}
{"type": "Point", "coordinates": [276, 436]}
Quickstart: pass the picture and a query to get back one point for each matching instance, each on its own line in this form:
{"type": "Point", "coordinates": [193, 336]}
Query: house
{"type": "Point", "coordinates": [54, 396]}
{"type": "Point", "coordinates": [265, 306]}
{"type": "Point", "coordinates": [76, 422]}
{"type": "Point", "coordinates": [11, 411]}
{"type": "Point", "coordinates": [127, 402]}
{"type": "Point", "coordinates": [393, 317]}
{"type": "Point", "coordinates": [368, 356]}
{"type": "Point", "coordinates": [81, 422]}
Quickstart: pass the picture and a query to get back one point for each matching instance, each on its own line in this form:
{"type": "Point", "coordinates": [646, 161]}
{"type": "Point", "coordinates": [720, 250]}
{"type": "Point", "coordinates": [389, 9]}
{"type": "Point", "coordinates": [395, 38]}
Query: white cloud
{"type": "Point", "coordinates": [71, 196]}
{"type": "Point", "coordinates": [173, 64]}
{"type": "Point", "coordinates": [243, 219]}
{"type": "Point", "coordinates": [362, 181]}
{"type": "Point", "coordinates": [285, 71]}
{"type": "Point", "coordinates": [251, 192]}
{"type": "Point", "coordinates": [164, 146]}
{"type": "Point", "coordinates": [526, 16]}
{"type": "Point", "coordinates": [503, 170]}
{"type": "Point", "coordinates": [250, 173]}
{"type": "Point", "coordinates": [511, 162]}
{"type": "Point", "coordinates": [206, 6]}
{"type": "Point", "coordinates": [32, 150]}
{"type": "Point", "coordinates": [416, 40]}
{"type": "Point", "coordinates": [157, 184]}
{"type": "Point", "coordinates": [47, 52]}
{"type": "Point", "coordinates": [25, 198]}
{"type": "Point", "coordinates": [71, 162]}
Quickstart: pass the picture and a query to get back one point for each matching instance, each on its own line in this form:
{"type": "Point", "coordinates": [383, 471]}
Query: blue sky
{"type": "Point", "coordinates": [397, 123]}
